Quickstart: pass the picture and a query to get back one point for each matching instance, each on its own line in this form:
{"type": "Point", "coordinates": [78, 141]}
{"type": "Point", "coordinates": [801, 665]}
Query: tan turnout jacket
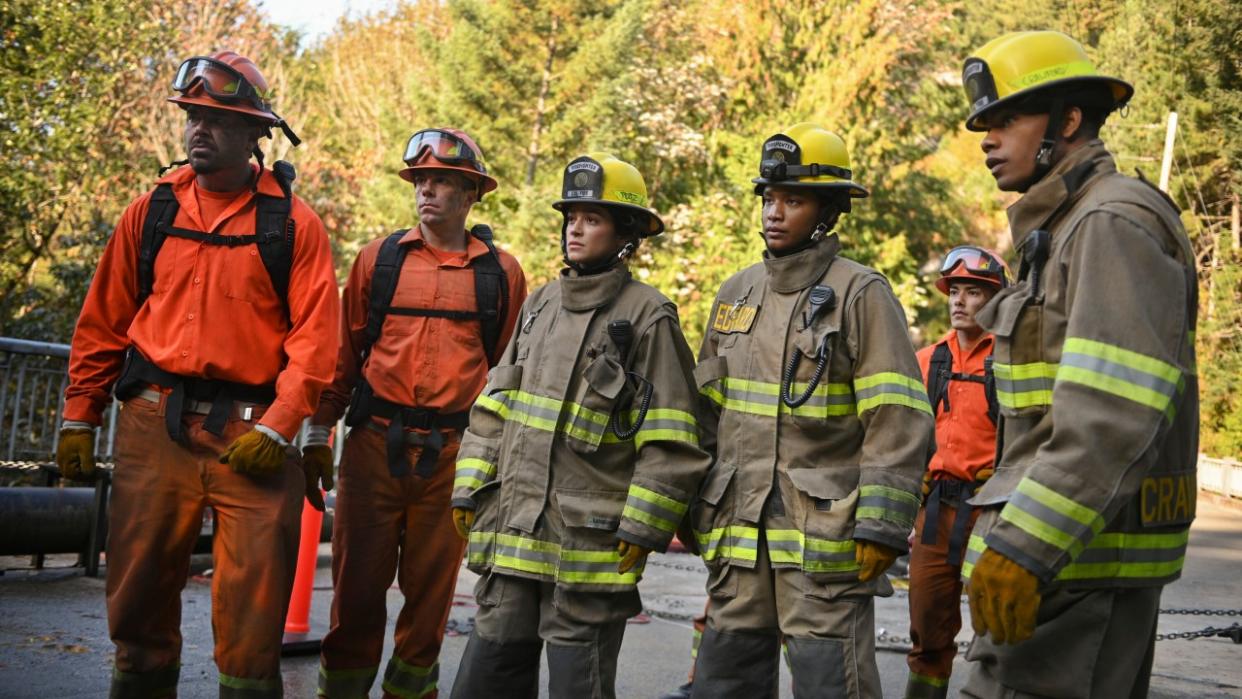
{"type": "Point", "coordinates": [846, 463]}
{"type": "Point", "coordinates": [553, 484]}
{"type": "Point", "coordinates": [1095, 375]}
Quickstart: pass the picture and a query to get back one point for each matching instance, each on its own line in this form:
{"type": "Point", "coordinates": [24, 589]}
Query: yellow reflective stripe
{"type": "Point", "coordinates": [975, 547]}
{"type": "Point", "coordinates": [248, 684]}
{"type": "Point", "coordinates": [1051, 517]}
{"type": "Point", "coordinates": [734, 541]}
{"type": "Point", "coordinates": [886, 503]}
{"type": "Point", "coordinates": [928, 679]}
{"type": "Point", "coordinates": [653, 509]}
{"type": "Point", "coordinates": [1136, 377]}
{"type": "Point", "coordinates": [1129, 555]}
{"type": "Point", "coordinates": [890, 388]}
{"type": "Point", "coordinates": [763, 398]}
{"type": "Point", "coordinates": [548, 559]}
{"type": "Point", "coordinates": [1024, 385]}
{"type": "Point", "coordinates": [472, 472]}
{"type": "Point", "coordinates": [812, 554]}
{"type": "Point", "coordinates": [410, 681]}
{"type": "Point", "coordinates": [1060, 71]}
{"type": "Point", "coordinates": [666, 424]}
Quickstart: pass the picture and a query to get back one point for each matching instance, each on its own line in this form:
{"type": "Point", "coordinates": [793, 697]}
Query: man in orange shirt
{"type": "Point", "coordinates": [427, 311]}
{"type": "Point", "coordinates": [957, 371]}
{"type": "Point", "coordinates": [212, 314]}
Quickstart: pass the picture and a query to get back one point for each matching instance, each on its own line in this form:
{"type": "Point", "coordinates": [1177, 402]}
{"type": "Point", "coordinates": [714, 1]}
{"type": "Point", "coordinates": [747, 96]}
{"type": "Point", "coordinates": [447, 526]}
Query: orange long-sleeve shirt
{"type": "Point", "coordinates": [432, 363]}
{"type": "Point", "coordinates": [212, 312]}
{"type": "Point", "coordinates": [965, 437]}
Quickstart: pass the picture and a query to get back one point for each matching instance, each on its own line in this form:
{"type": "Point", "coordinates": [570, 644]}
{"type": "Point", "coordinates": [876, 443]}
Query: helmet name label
{"type": "Point", "coordinates": [583, 165]}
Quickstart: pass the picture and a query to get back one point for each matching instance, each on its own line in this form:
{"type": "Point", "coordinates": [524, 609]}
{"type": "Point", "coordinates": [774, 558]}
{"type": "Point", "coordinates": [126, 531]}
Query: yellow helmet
{"type": "Point", "coordinates": [807, 155]}
{"type": "Point", "coordinates": [602, 178]}
{"type": "Point", "coordinates": [1017, 64]}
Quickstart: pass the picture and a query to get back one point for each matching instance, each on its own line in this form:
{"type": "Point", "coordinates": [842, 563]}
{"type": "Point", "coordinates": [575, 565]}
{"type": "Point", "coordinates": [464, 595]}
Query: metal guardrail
{"type": "Point", "coordinates": [1221, 476]}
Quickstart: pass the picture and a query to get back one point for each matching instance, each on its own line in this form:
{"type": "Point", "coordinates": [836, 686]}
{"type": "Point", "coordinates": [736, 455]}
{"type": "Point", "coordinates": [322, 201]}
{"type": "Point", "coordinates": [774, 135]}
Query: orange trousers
{"type": "Point", "coordinates": [387, 526]}
{"type": "Point", "coordinates": [159, 490]}
{"type": "Point", "coordinates": [935, 605]}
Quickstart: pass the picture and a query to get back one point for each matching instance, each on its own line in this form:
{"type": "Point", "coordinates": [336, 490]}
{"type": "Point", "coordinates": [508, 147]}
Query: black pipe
{"type": "Point", "coordinates": [58, 520]}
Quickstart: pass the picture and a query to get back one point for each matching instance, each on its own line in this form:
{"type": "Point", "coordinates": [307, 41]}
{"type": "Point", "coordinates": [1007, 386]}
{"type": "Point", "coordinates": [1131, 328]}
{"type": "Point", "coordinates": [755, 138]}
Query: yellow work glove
{"type": "Point", "coordinates": [254, 452]}
{"type": "Point", "coordinates": [317, 465]}
{"type": "Point", "coordinates": [631, 554]}
{"type": "Point", "coordinates": [927, 481]}
{"type": "Point", "coordinates": [1004, 598]}
{"type": "Point", "coordinates": [873, 559]}
{"type": "Point", "coordinates": [463, 519]}
{"type": "Point", "coordinates": [983, 474]}
{"type": "Point", "coordinates": [75, 455]}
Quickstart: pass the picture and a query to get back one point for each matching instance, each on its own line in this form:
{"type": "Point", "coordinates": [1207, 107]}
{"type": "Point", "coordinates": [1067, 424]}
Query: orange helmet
{"type": "Point", "coordinates": [971, 263]}
{"type": "Point", "coordinates": [447, 149]}
{"type": "Point", "coordinates": [229, 81]}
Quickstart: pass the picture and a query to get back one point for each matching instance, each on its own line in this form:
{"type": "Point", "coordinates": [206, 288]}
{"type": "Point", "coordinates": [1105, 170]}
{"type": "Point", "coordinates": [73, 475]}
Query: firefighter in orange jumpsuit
{"type": "Point", "coordinates": [958, 373]}
{"type": "Point", "coordinates": [212, 315]}
{"type": "Point", "coordinates": [427, 311]}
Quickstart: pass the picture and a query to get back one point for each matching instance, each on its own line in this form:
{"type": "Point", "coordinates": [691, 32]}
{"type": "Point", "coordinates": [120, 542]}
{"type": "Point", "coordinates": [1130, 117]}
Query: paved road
{"type": "Point", "coordinates": [53, 632]}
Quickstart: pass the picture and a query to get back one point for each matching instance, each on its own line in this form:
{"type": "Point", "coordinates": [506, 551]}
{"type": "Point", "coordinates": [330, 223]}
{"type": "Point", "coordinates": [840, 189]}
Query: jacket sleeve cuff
{"type": "Point", "coordinates": [476, 464]}
{"type": "Point", "coordinates": [462, 503]}
{"type": "Point", "coordinates": [281, 419]}
{"type": "Point", "coordinates": [649, 544]}
{"type": "Point", "coordinates": [1042, 529]}
{"type": "Point", "coordinates": [651, 517]}
{"type": "Point", "coordinates": [886, 535]}
{"type": "Point", "coordinates": [83, 409]}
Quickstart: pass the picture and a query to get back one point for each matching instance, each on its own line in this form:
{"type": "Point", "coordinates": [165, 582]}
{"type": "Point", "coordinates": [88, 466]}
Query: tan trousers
{"type": "Point", "coordinates": [159, 490]}
{"type": "Point", "coordinates": [389, 526]}
{"type": "Point", "coordinates": [828, 629]}
{"type": "Point", "coordinates": [1089, 644]}
{"type": "Point", "coordinates": [583, 631]}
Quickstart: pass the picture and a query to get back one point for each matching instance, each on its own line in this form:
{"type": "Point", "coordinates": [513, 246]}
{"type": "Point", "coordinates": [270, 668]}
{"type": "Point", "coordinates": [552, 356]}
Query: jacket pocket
{"type": "Point", "coordinates": [826, 502]}
{"type": "Point", "coordinates": [711, 513]}
{"type": "Point", "coordinates": [595, 510]}
{"type": "Point", "coordinates": [827, 399]}
{"type": "Point", "coordinates": [587, 420]}
{"type": "Point", "coordinates": [709, 377]}
{"type": "Point", "coordinates": [481, 548]}
{"type": "Point", "coordinates": [1024, 377]}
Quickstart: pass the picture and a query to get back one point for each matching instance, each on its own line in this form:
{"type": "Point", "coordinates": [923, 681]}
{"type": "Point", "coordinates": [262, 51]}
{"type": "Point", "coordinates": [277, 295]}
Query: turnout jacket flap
{"type": "Point", "coordinates": [549, 420]}
{"type": "Point", "coordinates": [855, 447]}
{"type": "Point", "coordinates": [1096, 379]}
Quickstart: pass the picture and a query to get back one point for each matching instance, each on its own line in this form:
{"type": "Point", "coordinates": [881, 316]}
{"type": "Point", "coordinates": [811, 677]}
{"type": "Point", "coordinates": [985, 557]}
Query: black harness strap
{"type": "Point", "coordinates": [139, 372]}
{"type": "Point", "coordinates": [491, 287]}
{"type": "Point", "coordinates": [957, 492]}
{"type": "Point", "coordinates": [940, 373]}
{"type": "Point", "coordinates": [273, 234]}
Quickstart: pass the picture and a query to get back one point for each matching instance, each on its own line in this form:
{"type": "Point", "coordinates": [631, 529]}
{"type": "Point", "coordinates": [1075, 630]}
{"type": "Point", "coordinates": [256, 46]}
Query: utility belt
{"type": "Point", "coordinates": [364, 405]}
{"type": "Point", "coordinates": [957, 493]}
{"type": "Point", "coordinates": [216, 398]}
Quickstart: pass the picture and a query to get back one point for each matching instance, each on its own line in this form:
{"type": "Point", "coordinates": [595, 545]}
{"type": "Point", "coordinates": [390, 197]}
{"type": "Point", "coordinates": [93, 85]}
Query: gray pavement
{"type": "Point", "coordinates": [54, 641]}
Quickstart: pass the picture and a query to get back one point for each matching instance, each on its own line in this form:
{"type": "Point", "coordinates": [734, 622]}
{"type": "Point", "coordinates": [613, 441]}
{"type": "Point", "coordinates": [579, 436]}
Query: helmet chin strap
{"type": "Point", "coordinates": [1043, 157]}
{"type": "Point", "coordinates": [820, 232]}
{"type": "Point", "coordinates": [602, 266]}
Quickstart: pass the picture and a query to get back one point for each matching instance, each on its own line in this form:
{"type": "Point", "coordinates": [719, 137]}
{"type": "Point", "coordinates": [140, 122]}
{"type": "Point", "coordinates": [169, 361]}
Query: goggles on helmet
{"type": "Point", "coordinates": [975, 261]}
{"type": "Point", "coordinates": [219, 80]}
{"type": "Point", "coordinates": [445, 147]}
{"type": "Point", "coordinates": [782, 160]}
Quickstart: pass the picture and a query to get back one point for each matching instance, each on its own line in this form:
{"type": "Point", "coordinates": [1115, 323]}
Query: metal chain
{"type": "Point", "coordinates": [1233, 633]}
{"type": "Point", "coordinates": [677, 566]}
{"type": "Point", "coordinates": [1204, 612]}
{"type": "Point", "coordinates": [669, 616]}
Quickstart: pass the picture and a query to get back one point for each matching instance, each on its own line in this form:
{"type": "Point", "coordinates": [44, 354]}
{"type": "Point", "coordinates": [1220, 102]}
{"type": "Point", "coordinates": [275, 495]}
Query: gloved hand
{"type": "Point", "coordinates": [873, 559]}
{"type": "Point", "coordinates": [631, 554]}
{"type": "Point", "coordinates": [317, 465]}
{"type": "Point", "coordinates": [983, 474]}
{"type": "Point", "coordinates": [927, 481]}
{"type": "Point", "coordinates": [75, 455]}
{"type": "Point", "coordinates": [1004, 598]}
{"type": "Point", "coordinates": [254, 452]}
{"type": "Point", "coordinates": [463, 519]}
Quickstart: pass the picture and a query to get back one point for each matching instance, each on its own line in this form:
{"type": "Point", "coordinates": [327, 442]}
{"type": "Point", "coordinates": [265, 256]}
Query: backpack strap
{"type": "Point", "coordinates": [491, 292]}
{"type": "Point", "coordinates": [274, 231]}
{"type": "Point", "coordinates": [160, 215]}
{"type": "Point", "coordinates": [384, 286]}
{"type": "Point", "coordinates": [938, 372]}
{"type": "Point", "coordinates": [989, 390]}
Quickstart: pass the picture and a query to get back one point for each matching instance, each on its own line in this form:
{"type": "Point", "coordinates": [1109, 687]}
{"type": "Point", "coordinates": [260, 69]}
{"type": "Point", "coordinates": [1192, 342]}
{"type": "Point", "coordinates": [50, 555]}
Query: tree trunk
{"type": "Point", "coordinates": [532, 153]}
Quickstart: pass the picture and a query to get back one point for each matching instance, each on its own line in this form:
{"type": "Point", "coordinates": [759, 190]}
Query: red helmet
{"type": "Point", "coordinates": [975, 264]}
{"type": "Point", "coordinates": [447, 149]}
{"type": "Point", "coordinates": [224, 80]}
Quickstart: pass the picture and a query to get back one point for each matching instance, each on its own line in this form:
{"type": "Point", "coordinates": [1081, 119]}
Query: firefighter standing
{"type": "Point", "coordinates": [1087, 516]}
{"type": "Point", "coordinates": [958, 373]}
{"type": "Point", "coordinates": [426, 311]}
{"type": "Point", "coordinates": [211, 314]}
{"type": "Point", "coordinates": [820, 427]}
{"type": "Point", "coordinates": [581, 457]}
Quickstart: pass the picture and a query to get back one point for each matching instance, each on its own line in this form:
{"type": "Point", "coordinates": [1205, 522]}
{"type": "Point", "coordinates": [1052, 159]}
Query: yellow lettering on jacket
{"type": "Point", "coordinates": [1167, 500]}
{"type": "Point", "coordinates": [734, 319]}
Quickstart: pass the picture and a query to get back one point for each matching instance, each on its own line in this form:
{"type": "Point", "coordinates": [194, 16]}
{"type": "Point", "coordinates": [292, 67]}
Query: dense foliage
{"type": "Point", "coordinates": [686, 89]}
